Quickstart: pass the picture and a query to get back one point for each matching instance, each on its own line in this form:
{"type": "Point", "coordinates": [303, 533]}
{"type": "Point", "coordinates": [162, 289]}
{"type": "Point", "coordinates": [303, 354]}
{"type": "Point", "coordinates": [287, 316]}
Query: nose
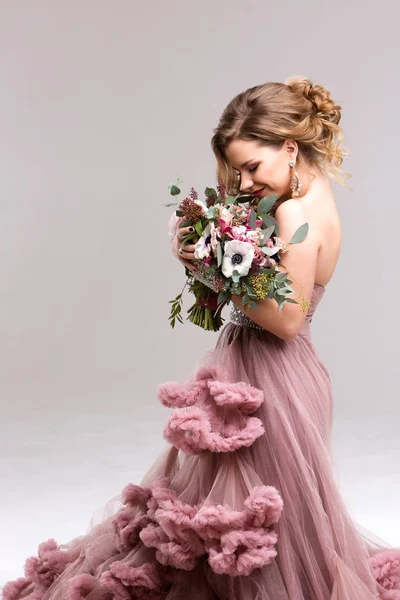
{"type": "Point", "coordinates": [246, 183]}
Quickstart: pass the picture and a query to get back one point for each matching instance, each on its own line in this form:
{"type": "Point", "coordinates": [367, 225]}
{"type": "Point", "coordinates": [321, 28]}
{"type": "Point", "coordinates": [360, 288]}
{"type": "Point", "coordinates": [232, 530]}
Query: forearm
{"type": "Point", "coordinates": [283, 323]}
{"type": "Point", "coordinates": [278, 322]}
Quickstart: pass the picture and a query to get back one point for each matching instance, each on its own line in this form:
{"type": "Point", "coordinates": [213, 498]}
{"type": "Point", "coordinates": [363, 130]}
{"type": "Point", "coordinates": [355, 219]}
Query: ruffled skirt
{"type": "Point", "coordinates": [243, 504]}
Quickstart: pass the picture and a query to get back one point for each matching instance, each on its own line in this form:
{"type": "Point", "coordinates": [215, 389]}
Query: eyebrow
{"type": "Point", "coordinates": [244, 164]}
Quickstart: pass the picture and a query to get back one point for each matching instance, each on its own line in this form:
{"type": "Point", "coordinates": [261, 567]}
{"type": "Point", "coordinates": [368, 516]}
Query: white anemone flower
{"type": "Point", "coordinates": [237, 256]}
{"type": "Point", "coordinates": [203, 246]}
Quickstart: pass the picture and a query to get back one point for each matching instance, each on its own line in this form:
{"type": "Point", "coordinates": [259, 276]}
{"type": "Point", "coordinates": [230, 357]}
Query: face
{"type": "Point", "coordinates": [267, 167]}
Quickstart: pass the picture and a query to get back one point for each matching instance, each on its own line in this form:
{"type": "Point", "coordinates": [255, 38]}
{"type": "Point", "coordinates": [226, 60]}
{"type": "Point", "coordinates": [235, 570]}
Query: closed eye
{"type": "Point", "coordinates": [251, 170]}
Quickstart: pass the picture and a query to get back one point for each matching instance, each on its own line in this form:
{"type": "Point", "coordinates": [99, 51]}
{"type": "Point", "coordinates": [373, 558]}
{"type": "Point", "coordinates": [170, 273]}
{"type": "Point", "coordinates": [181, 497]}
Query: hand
{"type": "Point", "coordinates": [187, 257]}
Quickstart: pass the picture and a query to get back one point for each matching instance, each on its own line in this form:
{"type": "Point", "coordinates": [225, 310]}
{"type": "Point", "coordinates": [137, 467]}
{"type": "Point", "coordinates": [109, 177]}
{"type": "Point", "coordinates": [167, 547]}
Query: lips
{"type": "Point", "coordinates": [258, 192]}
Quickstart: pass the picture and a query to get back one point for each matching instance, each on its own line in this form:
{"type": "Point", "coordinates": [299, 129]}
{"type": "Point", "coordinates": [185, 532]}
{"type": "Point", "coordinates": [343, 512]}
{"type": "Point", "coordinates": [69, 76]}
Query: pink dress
{"type": "Point", "coordinates": [242, 505]}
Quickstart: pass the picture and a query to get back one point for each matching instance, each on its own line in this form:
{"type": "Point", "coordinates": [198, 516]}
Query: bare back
{"type": "Point", "coordinates": [323, 217]}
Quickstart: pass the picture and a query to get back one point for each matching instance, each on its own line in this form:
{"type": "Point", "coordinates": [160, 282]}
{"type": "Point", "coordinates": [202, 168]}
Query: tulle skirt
{"type": "Point", "coordinates": [243, 504]}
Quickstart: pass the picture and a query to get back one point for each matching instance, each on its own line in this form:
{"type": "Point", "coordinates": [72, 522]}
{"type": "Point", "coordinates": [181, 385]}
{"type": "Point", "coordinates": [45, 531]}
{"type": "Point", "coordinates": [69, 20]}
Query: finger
{"type": "Point", "coordinates": [189, 248]}
{"type": "Point", "coordinates": [188, 256]}
{"type": "Point", "coordinates": [183, 231]}
{"type": "Point", "coordinates": [187, 264]}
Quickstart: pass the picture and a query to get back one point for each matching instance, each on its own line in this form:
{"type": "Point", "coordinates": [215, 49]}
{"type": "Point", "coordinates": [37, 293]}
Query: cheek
{"type": "Point", "coordinates": [275, 175]}
{"type": "Point", "coordinates": [281, 172]}
{"type": "Point", "coordinates": [274, 170]}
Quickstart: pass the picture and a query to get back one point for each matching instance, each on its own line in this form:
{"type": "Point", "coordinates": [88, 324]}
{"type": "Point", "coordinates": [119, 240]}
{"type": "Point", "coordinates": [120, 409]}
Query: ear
{"type": "Point", "coordinates": [291, 148]}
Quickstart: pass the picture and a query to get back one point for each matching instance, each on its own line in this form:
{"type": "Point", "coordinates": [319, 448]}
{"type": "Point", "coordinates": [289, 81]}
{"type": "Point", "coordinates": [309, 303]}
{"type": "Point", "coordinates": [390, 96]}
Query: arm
{"type": "Point", "coordinates": [301, 261]}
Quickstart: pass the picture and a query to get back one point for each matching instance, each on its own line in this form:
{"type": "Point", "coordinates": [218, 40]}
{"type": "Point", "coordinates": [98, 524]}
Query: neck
{"type": "Point", "coordinates": [309, 177]}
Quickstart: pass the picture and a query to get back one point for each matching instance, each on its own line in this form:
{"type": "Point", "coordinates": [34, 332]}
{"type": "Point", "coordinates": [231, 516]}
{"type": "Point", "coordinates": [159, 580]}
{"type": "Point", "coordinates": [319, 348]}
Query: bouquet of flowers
{"type": "Point", "coordinates": [238, 253]}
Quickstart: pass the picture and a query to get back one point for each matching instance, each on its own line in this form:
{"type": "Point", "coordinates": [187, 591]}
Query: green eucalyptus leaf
{"type": "Point", "coordinates": [300, 234]}
{"type": "Point", "coordinates": [253, 305]}
{"type": "Point", "coordinates": [281, 277]}
{"type": "Point", "coordinates": [265, 204]}
{"type": "Point", "coordinates": [252, 219]}
{"type": "Point", "coordinates": [245, 299]}
{"type": "Point", "coordinates": [269, 251]}
{"type": "Point", "coordinates": [268, 221]}
{"type": "Point", "coordinates": [222, 296]}
{"type": "Point", "coordinates": [235, 276]}
{"type": "Point", "coordinates": [174, 190]}
{"type": "Point", "coordinates": [266, 233]}
{"type": "Point", "coordinates": [281, 304]}
{"type": "Point", "coordinates": [210, 192]}
{"type": "Point", "coordinates": [211, 213]}
{"type": "Point", "coordinates": [230, 200]}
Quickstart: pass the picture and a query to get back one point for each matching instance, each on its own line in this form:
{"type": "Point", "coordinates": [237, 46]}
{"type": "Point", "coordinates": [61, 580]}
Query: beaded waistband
{"type": "Point", "coordinates": [239, 318]}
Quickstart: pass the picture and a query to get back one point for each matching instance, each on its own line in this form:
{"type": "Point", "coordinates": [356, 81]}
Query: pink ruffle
{"type": "Point", "coordinates": [51, 561]}
{"type": "Point", "coordinates": [144, 582]}
{"type": "Point", "coordinates": [236, 541]}
{"type": "Point", "coordinates": [80, 587]}
{"type": "Point", "coordinates": [386, 569]}
{"type": "Point", "coordinates": [13, 589]}
{"type": "Point", "coordinates": [211, 413]}
{"type": "Point", "coordinates": [240, 552]}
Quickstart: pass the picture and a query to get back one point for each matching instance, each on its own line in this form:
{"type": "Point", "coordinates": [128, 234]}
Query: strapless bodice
{"type": "Point", "coordinates": [237, 317]}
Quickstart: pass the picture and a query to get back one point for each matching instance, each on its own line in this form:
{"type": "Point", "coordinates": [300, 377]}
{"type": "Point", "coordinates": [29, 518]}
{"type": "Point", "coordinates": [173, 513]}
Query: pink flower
{"type": "Point", "coordinates": [225, 216]}
{"type": "Point", "coordinates": [260, 259]}
{"type": "Point", "coordinates": [238, 232]}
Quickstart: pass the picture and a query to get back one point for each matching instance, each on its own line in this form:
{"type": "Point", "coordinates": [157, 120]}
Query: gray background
{"type": "Point", "coordinates": [101, 105]}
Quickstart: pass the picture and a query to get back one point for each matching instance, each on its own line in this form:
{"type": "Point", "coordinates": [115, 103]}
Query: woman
{"type": "Point", "coordinates": [244, 503]}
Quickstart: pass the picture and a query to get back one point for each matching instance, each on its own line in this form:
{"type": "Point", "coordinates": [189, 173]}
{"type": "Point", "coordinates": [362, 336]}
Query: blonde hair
{"type": "Point", "coordinates": [273, 112]}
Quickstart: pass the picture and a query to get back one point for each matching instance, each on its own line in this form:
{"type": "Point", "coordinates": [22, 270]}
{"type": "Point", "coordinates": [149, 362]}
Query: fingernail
{"type": "Point", "coordinates": [191, 228]}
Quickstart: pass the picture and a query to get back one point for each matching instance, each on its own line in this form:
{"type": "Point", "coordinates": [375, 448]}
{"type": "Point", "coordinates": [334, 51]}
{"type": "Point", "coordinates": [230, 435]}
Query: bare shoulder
{"type": "Point", "coordinates": [322, 245]}
{"type": "Point", "coordinates": [293, 213]}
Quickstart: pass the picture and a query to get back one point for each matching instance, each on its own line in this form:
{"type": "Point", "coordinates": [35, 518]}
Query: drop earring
{"type": "Point", "coordinates": [295, 183]}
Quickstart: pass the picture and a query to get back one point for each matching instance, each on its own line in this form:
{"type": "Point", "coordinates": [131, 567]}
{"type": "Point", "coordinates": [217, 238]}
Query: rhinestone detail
{"type": "Point", "coordinates": [239, 318]}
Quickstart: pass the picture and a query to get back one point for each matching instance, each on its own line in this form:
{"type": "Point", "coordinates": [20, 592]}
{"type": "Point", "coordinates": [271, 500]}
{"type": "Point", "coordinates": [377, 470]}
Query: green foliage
{"type": "Point", "coordinates": [265, 204]}
{"type": "Point", "coordinates": [300, 234]}
{"type": "Point", "coordinates": [269, 251]}
{"type": "Point", "coordinates": [176, 310]}
{"type": "Point", "coordinates": [252, 219]}
{"type": "Point", "coordinates": [211, 213]}
{"type": "Point", "coordinates": [210, 192]}
{"type": "Point", "coordinates": [175, 190]}
{"type": "Point", "coordinates": [199, 228]}
{"type": "Point", "coordinates": [266, 234]}
{"type": "Point", "coordinates": [268, 221]}
{"type": "Point", "coordinates": [235, 276]}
